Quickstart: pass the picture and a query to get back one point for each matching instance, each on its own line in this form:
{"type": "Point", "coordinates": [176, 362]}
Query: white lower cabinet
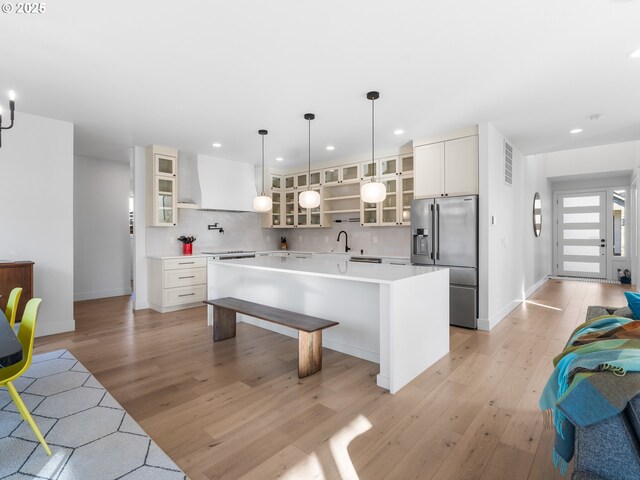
{"type": "Point", "coordinates": [177, 283]}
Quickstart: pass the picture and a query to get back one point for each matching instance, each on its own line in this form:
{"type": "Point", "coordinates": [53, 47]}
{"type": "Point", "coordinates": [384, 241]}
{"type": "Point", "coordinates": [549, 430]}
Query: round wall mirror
{"type": "Point", "coordinates": [537, 215]}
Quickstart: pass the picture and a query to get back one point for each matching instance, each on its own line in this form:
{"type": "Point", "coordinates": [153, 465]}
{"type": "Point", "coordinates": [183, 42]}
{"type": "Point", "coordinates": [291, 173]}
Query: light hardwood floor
{"type": "Point", "coordinates": [237, 409]}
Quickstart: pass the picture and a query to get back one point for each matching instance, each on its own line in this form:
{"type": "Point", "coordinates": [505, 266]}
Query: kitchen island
{"type": "Point", "coordinates": [394, 315]}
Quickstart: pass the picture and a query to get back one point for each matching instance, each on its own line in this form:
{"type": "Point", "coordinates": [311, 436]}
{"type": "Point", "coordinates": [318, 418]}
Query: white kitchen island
{"type": "Point", "coordinates": [394, 315]}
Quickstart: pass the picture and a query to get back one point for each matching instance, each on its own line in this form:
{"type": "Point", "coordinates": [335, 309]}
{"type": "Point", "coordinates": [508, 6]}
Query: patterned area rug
{"type": "Point", "coordinates": [583, 279]}
{"type": "Point", "coordinates": [90, 434]}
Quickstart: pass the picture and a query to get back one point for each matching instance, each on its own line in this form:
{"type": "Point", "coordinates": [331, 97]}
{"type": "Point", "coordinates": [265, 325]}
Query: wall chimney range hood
{"type": "Point", "coordinates": [226, 185]}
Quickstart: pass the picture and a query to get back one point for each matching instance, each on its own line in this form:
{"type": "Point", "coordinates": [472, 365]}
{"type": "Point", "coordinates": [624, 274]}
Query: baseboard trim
{"type": "Point", "coordinates": [536, 286]}
{"type": "Point", "coordinates": [488, 324]}
{"type": "Point", "coordinates": [51, 328]}
{"type": "Point", "coordinates": [118, 292]}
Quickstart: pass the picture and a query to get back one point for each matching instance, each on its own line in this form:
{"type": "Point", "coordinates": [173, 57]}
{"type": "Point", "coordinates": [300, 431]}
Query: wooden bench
{"type": "Point", "coordinates": [309, 328]}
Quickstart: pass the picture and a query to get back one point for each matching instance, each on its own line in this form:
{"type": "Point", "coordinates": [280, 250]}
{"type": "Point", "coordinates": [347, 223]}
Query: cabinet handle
{"type": "Point", "coordinates": [186, 295]}
{"type": "Point", "coordinates": [190, 276]}
{"type": "Point", "coordinates": [185, 263]}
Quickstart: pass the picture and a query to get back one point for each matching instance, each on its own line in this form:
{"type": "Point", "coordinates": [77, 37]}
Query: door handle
{"type": "Point", "coordinates": [438, 232]}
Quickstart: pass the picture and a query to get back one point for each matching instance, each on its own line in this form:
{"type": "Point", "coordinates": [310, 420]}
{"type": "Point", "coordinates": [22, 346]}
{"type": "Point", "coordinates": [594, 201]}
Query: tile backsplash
{"type": "Point", "coordinates": [242, 231]}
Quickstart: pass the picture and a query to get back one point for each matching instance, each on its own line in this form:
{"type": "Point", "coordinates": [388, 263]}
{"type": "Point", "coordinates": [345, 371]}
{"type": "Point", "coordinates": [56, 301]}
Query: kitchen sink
{"type": "Point", "coordinates": [366, 259]}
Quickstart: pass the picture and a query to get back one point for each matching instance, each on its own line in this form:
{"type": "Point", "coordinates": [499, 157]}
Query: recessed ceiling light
{"type": "Point", "coordinates": [596, 116]}
{"type": "Point", "coordinates": [330, 147]}
{"type": "Point", "coordinates": [635, 54]}
{"type": "Point", "coordinates": [216, 145]}
{"type": "Point", "coordinates": [279, 159]}
{"type": "Point", "coordinates": [576, 130]}
{"type": "Point", "coordinates": [399, 131]}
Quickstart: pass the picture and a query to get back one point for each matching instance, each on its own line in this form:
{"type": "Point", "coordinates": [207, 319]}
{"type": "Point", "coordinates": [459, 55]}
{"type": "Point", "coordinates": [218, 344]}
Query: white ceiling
{"type": "Point", "coordinates": [186, 74]}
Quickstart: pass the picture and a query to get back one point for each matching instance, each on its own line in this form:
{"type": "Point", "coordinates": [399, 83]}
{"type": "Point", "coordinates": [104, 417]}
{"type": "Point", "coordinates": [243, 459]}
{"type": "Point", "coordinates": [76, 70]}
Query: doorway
{"type": "Point", "coordinates": [581, 234]}
{"type": "Point", "coordinates": [591, 233]}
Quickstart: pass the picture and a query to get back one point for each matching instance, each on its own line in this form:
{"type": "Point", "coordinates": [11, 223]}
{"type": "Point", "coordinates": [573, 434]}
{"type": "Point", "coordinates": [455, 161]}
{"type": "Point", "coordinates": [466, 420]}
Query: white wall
{"type": "Point", "coordinates": [102, 251]}
{"type": "Point", "coordinates": [615, 157]}
{"type": "Point", "coordinates": [513, 263]}
{"type": "Point", "coordinates": [36, 208]}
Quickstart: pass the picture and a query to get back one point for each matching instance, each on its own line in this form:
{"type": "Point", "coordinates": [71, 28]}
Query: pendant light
{"type": "Point", "coordinates": [309, 198]}
{"type": "Point", "coordinates": [373, 192]}
{"type": "Point", "coordinates": [263, 202]}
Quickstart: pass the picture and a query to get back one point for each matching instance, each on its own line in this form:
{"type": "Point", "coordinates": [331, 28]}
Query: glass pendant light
{"type": "Point", "coordinates": [309, 198]}
{"type": "Point", "coordinates": [262, 203]}
{"type": "Point", "coordinates": [373, 192]}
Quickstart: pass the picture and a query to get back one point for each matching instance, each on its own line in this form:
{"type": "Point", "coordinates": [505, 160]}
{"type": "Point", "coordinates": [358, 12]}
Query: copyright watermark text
{"type": "Point", "coordinates": [23, 8]}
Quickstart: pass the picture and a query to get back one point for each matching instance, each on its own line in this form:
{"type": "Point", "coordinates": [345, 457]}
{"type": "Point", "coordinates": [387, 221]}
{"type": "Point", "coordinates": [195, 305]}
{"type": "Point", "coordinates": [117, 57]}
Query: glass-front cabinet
{"type": "Point", "coordinates": [276, 210]}
{"type": "Point", "coordinates": [165, 201]}
{"type": "Point", "coordinates": [369, 169]}
{"type": "Point", "coordinates": [165, 165]}
{"type": "Point", "coordinates": [276, 182]}
{"type": "Point", "coordinates": [405, 164]}
{"type": "Point", "coordinates": [162, 185]}
{"type": "Point", "coordinates": [290, 207]}
{"type": "Point", "coordinates": [395, 209]}
{"type": "Point", "coordinates": [341, 174]}
{"type": "Point", "coordinates": [302, 180]}
{"type": "Point", "coordinates": [315, 179]}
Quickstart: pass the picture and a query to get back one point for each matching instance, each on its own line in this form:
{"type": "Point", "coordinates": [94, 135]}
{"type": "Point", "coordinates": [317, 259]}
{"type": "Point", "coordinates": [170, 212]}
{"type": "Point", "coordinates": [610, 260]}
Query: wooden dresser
{"type": "Point", "coordinates": [16, 274]}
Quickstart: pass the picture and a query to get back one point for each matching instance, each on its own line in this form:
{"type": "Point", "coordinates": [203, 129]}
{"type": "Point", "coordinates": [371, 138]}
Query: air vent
{"type": "Point", "coordinates": [508, 164]}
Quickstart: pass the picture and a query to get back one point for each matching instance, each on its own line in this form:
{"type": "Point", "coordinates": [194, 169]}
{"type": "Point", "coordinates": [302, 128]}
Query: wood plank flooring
{"type": "Point", "coordinates": [237, 409]}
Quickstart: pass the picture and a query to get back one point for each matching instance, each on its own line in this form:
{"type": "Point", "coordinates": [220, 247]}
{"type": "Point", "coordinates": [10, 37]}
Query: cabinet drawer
{"type": "Point", "coordinates": [184, 295]}
{"type": "Point", "coordinates": [175, 263]}
{"type": "Point", "coordinates": [185, 277]}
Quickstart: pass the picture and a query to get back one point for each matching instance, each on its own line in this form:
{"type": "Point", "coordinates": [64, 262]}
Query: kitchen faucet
{"type": "Point", "coordinates": [346, 240]}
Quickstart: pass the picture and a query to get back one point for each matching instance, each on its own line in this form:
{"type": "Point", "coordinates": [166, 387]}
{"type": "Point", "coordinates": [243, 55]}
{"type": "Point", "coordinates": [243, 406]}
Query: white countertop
{"type": "Point", "coordinates": [293, 252]}
{"type": "Point", "coordinates": [332, 268]}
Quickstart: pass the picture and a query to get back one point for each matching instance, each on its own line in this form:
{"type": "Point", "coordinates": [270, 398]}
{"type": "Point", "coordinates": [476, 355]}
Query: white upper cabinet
{"type": "Point", "coordinates": [429, 170]}
{"type": "Point", "coordinates": [461, 166]}
{"type": "Point", "coordinates": [447, 168]}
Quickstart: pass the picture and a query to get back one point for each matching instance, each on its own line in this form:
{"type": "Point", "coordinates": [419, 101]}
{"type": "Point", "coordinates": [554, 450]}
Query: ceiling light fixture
{"type": "Point", "coordinates": [262, 203]}
{"type": "Point", "coordinates": [12, 108]}
{"type": "Point", "coordinates": [330, 147]}
{"type": "Point", "coordinates": [576, 130]}
{"type": "Point", "coordinates": [309, 198]}
{"type": "Point", "coordinates": [399, 131]}
{"type": "Point", "coordinates": [373, 192]}
{"type": "Point", "coordinates": [635, 54]}
{"type": "Point", "coordinates": [216, 145]}
{"type": "Point", "coordinates": [279, 159]}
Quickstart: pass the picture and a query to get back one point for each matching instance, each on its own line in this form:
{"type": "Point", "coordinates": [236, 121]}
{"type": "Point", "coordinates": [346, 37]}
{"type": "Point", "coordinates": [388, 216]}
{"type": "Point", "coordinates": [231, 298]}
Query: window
{"type": "Point", "coordinates": [619, 221]}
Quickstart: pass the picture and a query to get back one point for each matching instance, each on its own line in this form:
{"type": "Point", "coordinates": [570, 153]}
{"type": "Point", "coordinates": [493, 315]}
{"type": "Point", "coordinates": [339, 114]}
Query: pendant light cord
{"type": "Point", "coordinates": [373, 137]}
{"type": "Point", "coordinates": [309, 171]}
{"type": "Point", "coordinates": [262, 165]}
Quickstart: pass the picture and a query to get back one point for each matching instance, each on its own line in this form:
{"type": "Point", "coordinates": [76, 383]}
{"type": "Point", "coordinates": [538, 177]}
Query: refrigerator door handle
{"type": "Point", "coordinates": [438, 231]}
{"type": "Point", "coordinates": [433, 223]}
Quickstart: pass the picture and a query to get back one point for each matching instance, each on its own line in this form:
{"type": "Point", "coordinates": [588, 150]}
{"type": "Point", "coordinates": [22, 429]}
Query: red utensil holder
{"type": "Point", "coordinates": [187, 248]}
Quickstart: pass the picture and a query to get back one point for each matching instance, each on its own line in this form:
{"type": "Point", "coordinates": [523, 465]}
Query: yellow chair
{"type": "Point", "coordinates": [9, 374]}
{"type": "Point", "coordinates": [12, 305]}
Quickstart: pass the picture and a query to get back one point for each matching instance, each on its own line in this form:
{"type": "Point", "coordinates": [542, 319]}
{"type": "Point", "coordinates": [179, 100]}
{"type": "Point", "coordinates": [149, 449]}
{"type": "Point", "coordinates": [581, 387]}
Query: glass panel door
{"type": "Point", "coordinates": [165, 200]}
{"type": "Point", "coordinates": [315, 179]}
{"type": "Point", "coordinates": [331, 176]}
{"type": "Point", "coordinates": [290, 208]}
{"type": "Point", "coordinates": [369, 170]}
{"type": "Point", "coordinates": [407, 198]}
{"type": "Point", "coordinates": [165, 165]}
{"type": "Point", "coordinates": [301, 179]}
{"type": "Point", "coordinates": [275, 211]}
{"type": "Point", "coordinates": [390, 203]}
{"type": "Point", "coordinates": [276, 181]}
{"type": "Point", "coordinates": [406, 164]}
{"type": "Point", "coordinates": [388, 166]}
{"type": "Point", "coordinates": [350, 172]}
{"type": "Point", "coordinates": [581, 242]}
{"type": "Point", "coordinates": [314, 213]}
{"type": "Point", "coordinates": [289, 181]}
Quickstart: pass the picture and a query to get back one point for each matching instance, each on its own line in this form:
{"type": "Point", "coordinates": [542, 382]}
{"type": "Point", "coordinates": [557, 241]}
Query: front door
{"type": "Point", "coordinates": [581, 235]}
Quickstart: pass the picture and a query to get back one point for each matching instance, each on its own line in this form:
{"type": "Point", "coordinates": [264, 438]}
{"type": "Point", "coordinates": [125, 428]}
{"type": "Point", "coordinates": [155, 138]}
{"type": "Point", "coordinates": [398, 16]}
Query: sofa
{"type": "Point", "coordinates": [610, 450]}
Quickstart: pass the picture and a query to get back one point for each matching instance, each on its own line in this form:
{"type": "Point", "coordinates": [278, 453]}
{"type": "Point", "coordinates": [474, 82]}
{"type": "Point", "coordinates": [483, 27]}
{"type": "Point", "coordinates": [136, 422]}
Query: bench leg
{"type": "Point", "coordinates": [224, 323]}
{"type": "Point", "coordinates": [309, 353]}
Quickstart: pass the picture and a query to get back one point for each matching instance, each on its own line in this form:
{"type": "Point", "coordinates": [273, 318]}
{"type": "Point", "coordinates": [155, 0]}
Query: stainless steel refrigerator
{"type": "Point", "coordinates": [444, 232]}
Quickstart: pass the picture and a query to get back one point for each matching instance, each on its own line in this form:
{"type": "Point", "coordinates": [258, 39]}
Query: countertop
{"type": "Point", "coordinates": [331, 268]}
{"type": "Point", "coordinates": [334, 255]}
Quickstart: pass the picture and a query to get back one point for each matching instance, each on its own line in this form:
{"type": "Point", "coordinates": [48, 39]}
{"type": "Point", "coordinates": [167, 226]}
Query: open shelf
{"type": "Point", "coordinates": [342, 197]}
